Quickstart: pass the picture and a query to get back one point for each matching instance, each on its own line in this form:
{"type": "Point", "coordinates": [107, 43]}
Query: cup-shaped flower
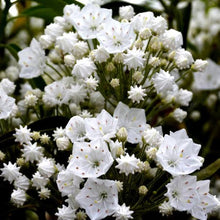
{"type": "Point", "coordinates": [90, 159]}
{"type": "Point", "coordinates": [75, 129]}
{"type": "Point", "coordinates": [178, 154]}
{"type": "Point", "coordinates": [32, 60]}
{"type": "Point", "coordinates": [89, 20]}
{"type": "Point", "coordinates": [133, 119]}
{"type": "Point", "coordinates": [207, 202]}
{"type": "Point", "coordinates": [116, 37]}
{"type": "Point", "coordinates": [182, 192]}
{"type": "Point", "coordinates": [99, 198]}
{"type": "Point", "coordinates": [103, 126]}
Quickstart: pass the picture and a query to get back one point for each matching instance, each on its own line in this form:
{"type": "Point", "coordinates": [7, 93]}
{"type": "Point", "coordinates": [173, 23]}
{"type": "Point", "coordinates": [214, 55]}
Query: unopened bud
{"type": "Point", "coordinates": [122, 134]}
{"type": "Point", "coordinates": [114, 83]}
{"type": "Point", "coordinates": [137, 76]}
{"type": "Point", "coordinates": [145, 34]}
{"type": "Point", "coordinates": [62, 143]}
{"type": "Point", "coordinates": [110, 67]}
{"type": "Point", "coordinates": [142, 190]}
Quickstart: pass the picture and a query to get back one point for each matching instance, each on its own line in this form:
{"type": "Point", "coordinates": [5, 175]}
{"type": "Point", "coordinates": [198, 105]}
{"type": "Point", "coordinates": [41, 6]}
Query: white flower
{"type": "Point", "coordinates": [31, 60]}
{"type": "Point", "coordinates": [90, 159]}
{"type": "Point", "coordinates": [209, 79]}
{"type": "Point", "coordinates": [30, 100]}
{"type": "Point", "coordinates": [116, 37]}
{"type": "Point", "coordinates": [66, 213]}
{"type": "Point", "coordinates": [91, 83]}
{"type": "Point", "coordinates": [133, 59]}
{"type": "Point", "coordinates": [66, 41]}
{"type": "Point", "coordinates": [46, 41]}
{"type": "Point", "coordinates": [158, 25]}
{"type": "Point", "coordinates": [89, 20]}
{"type": "Point", "coordinates": [80, 49]}
{"type": "Point", "coordinates": [54, 30]}
{"type": "Point", "coordinates": [58, 133]}
{"type": "Point", "coordinates": [22, 135]}
{"type": "Point", "coordinates": [179, 115]}
{"type": "Point", "coordinates": [84, 68]}
{"type": "Point", "coordinates": [22, 182]}
{"type": "Point", "coordinates": [152, 137]}
{"type": "Point", "coordinates": [133, 119]}
{"type": "Point", "coordinates": [163, 81]}
{"type": "Point", "coordinates": [10, 172]}
{"type": "Point", "coordinates": [207, 202]}
{"type": "Point", "coordinates": [182, 192]}
{"type": "Point", "coordinates": [172, 39]}
{"type": "Point", "coordinates": [142, 21]}
{"type": "Point", "coordinates": [68, 183]}
{"type": "Point", "coordinates": [6, 104]}
{"type": "Point", "coordinates": [69, 60]}
{"type": "Point", "coordinates": [200, 65]}
{"type": "Point", "coordinates": [123, 212]}
{"type": "Point", "coordinates": [116, 148]}
{"type": "Point", "coordinates": [77, 93]}
{"type": "Point", "coordinates": [46, 167]}
{"type": "Point", "coordinates": [99, 198]}
{"type": "Point", "coordinates": [71, 11]}
{"type": "Point", "coordinates": [44, 193]}
{"type": "Point", "coordinates": [18, 197]}
{"type": "Point", "coordinates": [8, 86]}
{"type": "Point", "coordinates": [38, 180]}
{"type": "Point", "coordinates": [126, 12]}
{"type": "Point", "coordinates": [55, 94]}
{"type": "Point", "coordinates": [136, 93]}
{"type": "Point", "coordinates": [183, 58]}
{"type": "Point", "coordinates": [75, 129]}
{"type": "Point", "coordinates": [100, 55]}
{"type": "Point", "coordinates": [32, 152]}
{"type": "Point", "coordinates": [183, 97]}
{"type": "Point", "coordinates": [127, 164]}
{"type": "Point", "coordinates": [165, 208]}
{"type": "Point", "coordinates": [63, 143]}
{"type": "Point", "coordinates": [178, 154]}
{"type": "Point", "coordinates": [103, 126]}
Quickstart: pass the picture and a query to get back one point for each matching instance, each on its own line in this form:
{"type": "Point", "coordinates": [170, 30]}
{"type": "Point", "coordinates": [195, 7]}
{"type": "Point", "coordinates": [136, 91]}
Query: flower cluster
{"type": "Point", "coordinates": [88, 121]}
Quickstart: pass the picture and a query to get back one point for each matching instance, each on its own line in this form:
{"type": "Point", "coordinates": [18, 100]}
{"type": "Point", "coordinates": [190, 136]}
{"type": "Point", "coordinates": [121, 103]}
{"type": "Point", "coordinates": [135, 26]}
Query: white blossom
{"type": "Point", "coordinates": [133, 119]}
{"type": "Point", "coordinates": [10, 172]}
{"type": "Point", "coordinates": [123, 212]}
{"type": "Point", "coordinates": [18, 197]}
{"type": "Point", "coordinates": [31, 60]}
{"type": "Point", "coordinates": [99, 198]}
{"type": "Point", "coordinates": [127, 164]}
{"type": "Point", "coordinates": [90, 159]}
{"type": "Point", "coordinates": [136, 93]}
{"type": "Point", "coordinates": [178, 154]}
{"type": "Point", "coordinates": [89, 20]}
{"type": "Point", "coordinates": [116, 37]}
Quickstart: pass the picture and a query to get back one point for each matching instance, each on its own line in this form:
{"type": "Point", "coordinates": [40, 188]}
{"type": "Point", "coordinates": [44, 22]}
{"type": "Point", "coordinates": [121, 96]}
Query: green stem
{"type": "Point", "coordinates": [208, 171]}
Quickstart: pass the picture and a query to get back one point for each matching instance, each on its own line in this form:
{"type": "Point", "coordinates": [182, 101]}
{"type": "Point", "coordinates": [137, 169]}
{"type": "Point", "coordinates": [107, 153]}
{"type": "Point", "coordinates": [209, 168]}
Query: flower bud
{"type": "Point", "coordinates": [142, 190]}
{"type": "Point", "coordinates": [137, 76]}
{"type": "Point", "coordinates": [145, 34]}
{"type": "Point", "coordinates": [69, 60]}
{"type": "Point", "coordinates": [110, 67]}
{"type": "Point", "coordinates": [62, 143]}
{"type": "Point", "coordinates": [199, 65]}
{"type": "Point", "coordinates": [122, 134]}
{"type": "Point", "coordinates": [114, 83]}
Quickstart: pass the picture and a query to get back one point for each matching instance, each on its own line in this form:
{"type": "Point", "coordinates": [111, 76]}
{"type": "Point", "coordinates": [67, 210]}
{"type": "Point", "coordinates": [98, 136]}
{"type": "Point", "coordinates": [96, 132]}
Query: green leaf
{"type": "Point", "coordinates": [208, 171]}
{"type": "Point", "coordinates": [13, 49]}
{"type": "Point", "coordinates": [40, 11]}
